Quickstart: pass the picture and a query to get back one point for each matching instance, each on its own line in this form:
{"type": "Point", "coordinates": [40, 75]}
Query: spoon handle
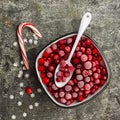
{"type": "Point", "coordinates": [84, 23]}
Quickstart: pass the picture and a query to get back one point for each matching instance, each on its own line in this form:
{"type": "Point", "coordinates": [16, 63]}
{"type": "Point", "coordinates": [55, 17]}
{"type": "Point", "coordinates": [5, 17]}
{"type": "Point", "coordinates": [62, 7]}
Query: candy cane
{"type": "Point", "coordinates": [21, 42]}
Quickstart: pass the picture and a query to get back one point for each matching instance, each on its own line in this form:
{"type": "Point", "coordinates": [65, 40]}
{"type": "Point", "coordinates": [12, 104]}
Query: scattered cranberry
{"type": "Point", "coordinates": [28, 90]}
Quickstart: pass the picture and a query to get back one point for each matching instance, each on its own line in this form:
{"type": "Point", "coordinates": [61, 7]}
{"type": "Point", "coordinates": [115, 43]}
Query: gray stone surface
{"type": "Point", "coordinates": [55, 18]}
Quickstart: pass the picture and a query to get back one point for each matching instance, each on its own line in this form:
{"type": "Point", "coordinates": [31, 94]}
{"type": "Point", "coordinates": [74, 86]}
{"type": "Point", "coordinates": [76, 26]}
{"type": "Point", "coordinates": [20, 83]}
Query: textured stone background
{"type": "Point", "coordinates": [55, 18]}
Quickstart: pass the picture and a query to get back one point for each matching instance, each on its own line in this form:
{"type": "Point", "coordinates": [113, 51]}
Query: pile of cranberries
{"type": "Point", "coordinates": [89, 75]}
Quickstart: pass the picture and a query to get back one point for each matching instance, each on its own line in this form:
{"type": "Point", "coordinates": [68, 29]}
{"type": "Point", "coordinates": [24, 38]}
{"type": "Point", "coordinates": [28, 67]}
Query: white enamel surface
{"type": "Point", "coordinates": [75, 103]}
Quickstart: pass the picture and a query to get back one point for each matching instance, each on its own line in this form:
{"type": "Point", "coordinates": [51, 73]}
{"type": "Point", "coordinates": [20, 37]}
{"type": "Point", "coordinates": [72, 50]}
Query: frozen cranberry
{"type": "Point", "coordinates": [94, 51]}
{"type": "Point", "coordinates": [93, 64]}
{"type": "Point", "coordinates": [84, 57]}
{"type": "Point", "coordinates": [96, 75]}
{"type": "Point", "coordinates": [63, 100]}
{"type": "Point", "coordinates": [90, 72]}
{"type": "Point", "coordinates": [49, 50]}
{"type": "Point", "coordinates": [67, 49]}
{"type": "Point", "coordinates": [69, 40]}
{"type": "Point", "coordinates": [41, 60]}
{"type": "Point", "coordinates": [104, 72]}
{"type": "Point", "coordinates": [68, 96]}
{"type": "Point", "coordinates": [62, 94]}
{"type": "Point", "coordinates": [56, 95]}
{"type": "Point", "coordinates": [51, 68]}
{"type": "Point", "coordinates": [78, 71]}
{"type": "Point", "coordinates": [79, 77]}
{"type": "Point", "coordinates": [105, 77]}
{"type": "Point", "coordinates": [79, 65]}
{"type": "Point", "coordinates": [71, 83]}
{"type": "Point", "coordinates": [46, 63]}
{"type": "Point", "coordinates": [61, 42]}
{"type": "Point", "coordinates": [42, 75]}
{"type": "Point", "coordinates": [56, 57]}
{"type": "Point", "coordinates": [75, 88]}
{"type": "Point", "coordinates": [96, 87]}
{"type": "Point", "coordinates": [78, 54]}
{"type": "Point", "coordinates": [74, 95]}
{"type": "Point", "coordinates": [91, 78]}
{"type": "Point", "coordinates": [88, 51]}
{"type": "Point", "coordinates": [94, 69]}
{"type": "Point", "coordinates": [87, 79]}
{"type": "Point", "coordinates": [80, 98]}
{"type": "Point", "coordinates": [85, 73]}
{"type": "Point", "coordinates": [87, 92]}
{"type": "Point", "coordinates": [68, 88]}
{"type": "Point", "coordinates": [88, 65]}
{"type": "Point", "coordinates": [91, 84]}
{"type": "Point", "coordinates": [92, 90]}
{"type": "Point", "coordinates": [88, 42]}
{"type": "Point", "coordinates": [61, 53]}
{"type": "Point", "coordinates": [54, 46]}
{"type": "Point", "coordinates": [54, 87]}
{"type": "Point", "coordinates": [68, 102]}
{"type": "Point", "coordinates": [59, 73]}
{"type": "Point", "coordinates": [102, 82]}
{"type": "Point", "coordinates": [82, 49]}
{"type": "Point", "coordinates": [49, 75]}
{"type": "Point", "coordinates": [77, 48]}
{"type": "Point", "coordinates": [40, 68]}
{"type": "Point", "coordinates": [87, 86]}
{"type": "Point", "coordinates": [45, 80]}
{"type": "Point", "coordinates": [97, 81]}
{"type": "Point", "coordinates": [45, 54]}
{"type": "Point", "coordinates": [81, 84]}
{"type": "Point", "coordinates": [75, 60]}
{"type": "Point", "coordinates": [90, 57]}
{"type": "Point", "coordinates": [80, 93]}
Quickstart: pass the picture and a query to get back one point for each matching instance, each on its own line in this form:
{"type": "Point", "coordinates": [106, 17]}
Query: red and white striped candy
{"type": "Point", "coordinates": [21, 42]}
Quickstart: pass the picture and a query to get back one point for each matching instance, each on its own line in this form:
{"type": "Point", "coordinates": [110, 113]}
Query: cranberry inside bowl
{"type": "Point", "coordinates": [90, 77]}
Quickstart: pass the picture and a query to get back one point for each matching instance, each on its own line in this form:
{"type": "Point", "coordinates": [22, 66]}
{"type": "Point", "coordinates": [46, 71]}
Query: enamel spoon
{"type": "Point", "coordinates": [84, 24]}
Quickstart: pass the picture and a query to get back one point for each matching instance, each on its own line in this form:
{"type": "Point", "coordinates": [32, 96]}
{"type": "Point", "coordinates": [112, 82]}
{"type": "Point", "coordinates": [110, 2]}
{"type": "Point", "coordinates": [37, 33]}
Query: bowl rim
{"type": "Point", "coordinates": [86, 99]}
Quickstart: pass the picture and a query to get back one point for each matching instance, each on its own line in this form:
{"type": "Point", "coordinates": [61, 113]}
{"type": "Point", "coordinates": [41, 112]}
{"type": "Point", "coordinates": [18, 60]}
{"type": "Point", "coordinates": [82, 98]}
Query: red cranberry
{"type": "Point", "coordinates": [77, 48]}
{"type": "Point", "coordinates": [69, 40]}
{"type": "Point", "coordinates": [28, 90]}
{"type": "Point", "coordinates": [96, 75]}
{"type": "Point", "coordinates": [40, 68]}
{"type": "Point", "coordinates": [104, 72]}
{"type": "Point", "coordinates": [63, 100]}
{"type": "Point", "coordinates": [88, 65]}
{"type": "Point", "coordinates": [104, 77]}
{"type": "Point", "coordinates": [97, 81]}
{"type": "Point", "coordinates": [80, 98]}
{"type": "Point", "coordinates": [80, 93]}
{"type": "Point", "coordinates": [46, 63]}
{"type": "Point", "coordinates": [82, 49]}
{"type": "Point", "coordinates": [74, 95]}
{"type": "Point", "coordinates": [45, 80]}
{"type": "Point", "coordinates": [62, 94]}
{"type": "Point", "coordinates": [79, 66]}
{"type": "Point", "coordinates": [75, 60]}
{"type": "Point", "coordinates": [54, 87]}
{"type": "Point", "coordinates": [85, 73]}
{"type": "Point", "coordinates": [42, 75]}
{"type": "Point", "coordinates": [87, 92]}
{"type": "Point", "coordinates": [56, 57]}
{"type": "Point", "coordinates": [96, 87]}
{"type": "Point", "coordinates": [92, 90]}
{"type": "Point", "coordinates": [49, 50]}
{"type": "Point", "coordinates": [87, 79]}
{"type": "Point", "coordinates": [81, 84]}
{"type": "Point", "coordinates": [84, 57]}
{"type": "Point", "coordinates": [87, 86]}
{"type": "Point", "coordinates": [68, 88]}
{"type": "Point", "coordinates": [90, 57]}
{"type": "Point", "coordinates": [67, 49]}
{"type": "Point", "coordinates": [75, 88]}
{"type": "Point", "coordinates": [59, 73]}
{"type": "Point", "coordinates": [102, 82]}
{"type": "Point", "coordinates": [54, 46]}
{"type": "Point", "coordinates": [71, 83]}
{"type": "Point", "coordinates": [56, 95]}
{"type": "Point", "coordinates": [79, 77]}
{"type": "Point", "coordinates": [91, 84]}
{"type": "Point", "coordinates": [79, 54]}
{"type": "Point", "coordinates": [61, 42]}
{"type": "Point", "coordinates": [94, 51]}
{"type": "Point", "coordinates": [88, 42]}
{"type": "Point", "coordinates": [78, 71]}
{"type": "Point", "coordinates": [49, 74]}
{"type": "Point", "coordinates": [67, 74]}
{"type": "Point", "coordinates": [61, 53]}
{"type": "Point", "coordinates": [88, 51]}
{"type": "Point", "coordinates": [90, 72]}
{"type": "Point", "coordinates": [45, 54]}
{"type": "Point", "coordinates": [94, 69]}
{"type": "Point", "coordinates": [68, 96]}
{"type": "Point", "coordinates": [51, 68]}
{"type": "Point", "coordinates": [41, 60]}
